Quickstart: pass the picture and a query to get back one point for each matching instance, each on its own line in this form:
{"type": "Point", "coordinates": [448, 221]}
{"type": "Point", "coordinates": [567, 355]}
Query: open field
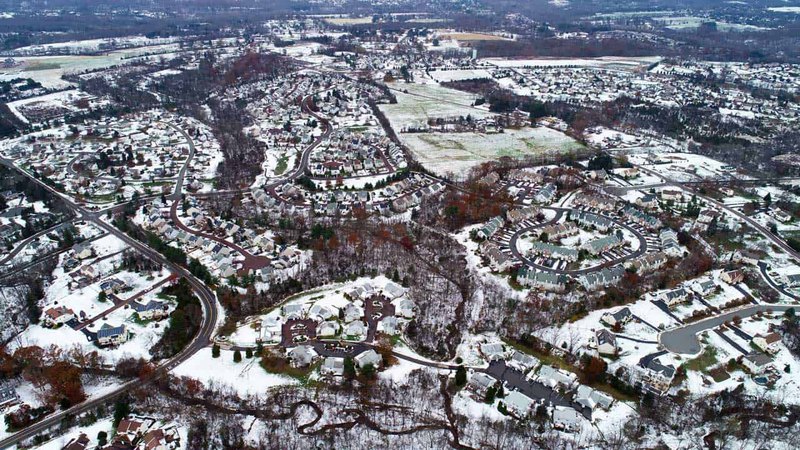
{"type": "Point", "coordinates": [416, 103]}
{"type": "Point", "coordinates": [472, 37]}
{"type": "Point", "coordinates": [348, 20]}
{"type": "Point", "coordinates": [458, 152]}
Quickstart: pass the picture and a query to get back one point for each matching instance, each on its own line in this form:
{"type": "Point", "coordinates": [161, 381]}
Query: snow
{"type": "Point", "coordinates": [246, 378]}
{"type": "Point", "coordinates": [464, 404]}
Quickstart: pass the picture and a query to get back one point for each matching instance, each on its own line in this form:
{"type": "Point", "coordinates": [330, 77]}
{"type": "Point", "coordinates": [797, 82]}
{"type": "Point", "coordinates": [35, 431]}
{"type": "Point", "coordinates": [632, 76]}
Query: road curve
{"type": "Point", "coordinates": [201, 340]}
{"type": "Point", "coordinates": [684, 340]}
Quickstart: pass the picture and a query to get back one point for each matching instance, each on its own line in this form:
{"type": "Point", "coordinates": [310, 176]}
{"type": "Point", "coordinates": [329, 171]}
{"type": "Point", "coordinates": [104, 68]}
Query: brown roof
{"type": "Point", "coordinates": [129, 426]}
{"type": "Point", "coordinates": [771, 338]}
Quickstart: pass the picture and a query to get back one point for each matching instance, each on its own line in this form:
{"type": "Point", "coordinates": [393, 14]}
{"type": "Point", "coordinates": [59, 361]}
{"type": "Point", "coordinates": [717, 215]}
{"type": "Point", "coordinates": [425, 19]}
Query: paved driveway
{"type": "Point", "coordinates": [684, 340]}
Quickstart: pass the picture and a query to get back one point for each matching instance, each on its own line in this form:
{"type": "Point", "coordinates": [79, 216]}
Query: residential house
{"type": "Point", "coordinates": [302, 356]}
{"type": "Point", "coordinates": [566, 419]}
{"type": "Point", "coordinates": [493, 351]}
{"type": "Point", "coordinates": [152, 310]}
{"type": "Point", "coordinates": [552, 377]}
{"type": "Point", "coordinates": [547, 281]}
{"type": "Point", "coordinates": [369, 357]}
{"type": "Point", "coordinates": [647, 262]}
{"type": "Point", "coordinates": [619, 317]}
{"type": "Point", "coordinates": [355, 329]}
{"type": "Point", "coordinates": [111, 335]}
{"type": "Point", "coordinates": [58, 315]}
{"type": "Point", "coordinates": [327, 329]}
{"type": "Point", "coordinates": [480, 383]}
{"type": "Point", "coordinates": [606, 342]}
{"type": "Point", "coordinates": [757, 363]}
{"type": "Point", "coordinates": [522, 361]}
{"type": "Point", "coordinates": [656, 377]}
{"type": "Point", "coordinates": [332, 367]}
{"type": "Point", "coordinates": [732, 276]}
{"type": "Point", "coordinates": [603, 244]}
{"type": "Point", "coordinates": [490, 228]}
{"type": "Point", "coordinates": [518, 404]}
{"type": "Point", "coordinates": [602, 278]}
{"type": "Point", "coordinates": [675, 296]}
{"type": "Point", "coordinates": [592, 398]}
{"type": "Point", "coordinates": [768, 343]}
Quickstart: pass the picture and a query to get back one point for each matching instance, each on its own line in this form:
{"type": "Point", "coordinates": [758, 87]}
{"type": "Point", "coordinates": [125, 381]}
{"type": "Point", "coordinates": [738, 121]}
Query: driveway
{"type": "Point", "coordinates": [684, 340]}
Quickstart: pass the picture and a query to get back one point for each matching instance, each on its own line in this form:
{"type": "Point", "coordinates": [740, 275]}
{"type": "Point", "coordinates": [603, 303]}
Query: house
{"type": "Point", "coordinates": [353, 312]}
{"type": "Point", "coordinates": [58, 315]}
{"type": "Point", "coordinates": [480, 383]}
{"type": "Point", "coordinates": [302, 356]}
{"type": "Point", "coordinates": [792, 279]}
{"type": "Point", "coordinates": [548, 250]}
{"type": "Point", "coordinates": [153, 440]}
{"type": "Point", "coordinates": [669, 243]}
{"type": "Point", "coordinates": [546, 194]}
{"type": "Point", "coordinates": [321, 312]}
{"type": "Point", "coordinates": [601, 278]}
{"type": "Point", "coordinates": [493, 351]}
{"type": "Point", "coordinates": [8, 396]}
{"type": "Point", "coordinates": [647, 262]}
{"type": "Point", "coordinates": [369, 357]}
{"type": "Point", "coordinates": [518, 404]}
{"type": "Point", "coordinates": [388, 325]}
{"type": "Point", "coordinates": [654, 376]}
{"type": "Point", "coordinates": [112, 286]}
{"type": "Point", "coordinates": [79, 443]}
{"type": "Point", "coordinates": [552, 377]}
{"type": "Point", "coordinates": [757, 363]}
{"type": "Point", "coordinates": [675, 296]}
{"type": "Point", "coordinates": [490, 228]}
{"type": "Point", "coordinates": [131, 427]}
{"type": "Point", "coordinates": [606, 342]}
{"type": "Point", "coordinates": [355, 329]}
{"type": "Point", "coordinates": [332, 367]}
{"type": "Point", "coordinates": [566, 419]}
{"type": "Point", "coordinates": [151, 310]}
{"type": "Point", "coordinates": [621, 317]}
{"type": "Point", "coordinates": [592, 398]}
{"type": "Point", "coordinates": [110, 335]}
{"type": "Point", "coordinates": [704, 287]}
{"type": "Point", "coordinates": [732, 276]}
{"type": "Point", "coordinates": [404, 308]}
{"type": "Point", "coordinates": [393, 290]}
{"type": "Point", "coordinates": [603, 244]}
{"type": "Point", "coordinates": [500, 262]}
{"type": "Point", "coordinates": [706, 216]}
{"type": "Point", "coordinates": [768, 343]}
{"type": "Point", "coordinates": [83, 251]}
{"type": "Point", "coordinates": [522, 361]}
{"type": "Point", "coordinates": [327, 329]}
{"type": "Point", "coordinates": [547, 281]}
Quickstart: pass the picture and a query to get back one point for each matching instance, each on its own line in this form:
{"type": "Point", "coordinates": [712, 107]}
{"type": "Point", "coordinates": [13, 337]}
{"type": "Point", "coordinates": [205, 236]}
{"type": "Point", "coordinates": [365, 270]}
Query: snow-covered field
{"type": "Point", "coordinates": [246, 377]}
{"type": "Point", "coordinates": [459, 152]}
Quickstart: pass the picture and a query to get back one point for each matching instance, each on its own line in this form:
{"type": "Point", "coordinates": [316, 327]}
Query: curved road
{"type": "Point", "coordinates": [207, 327]}
{"type": "Point", "coordinates": [684, 340]}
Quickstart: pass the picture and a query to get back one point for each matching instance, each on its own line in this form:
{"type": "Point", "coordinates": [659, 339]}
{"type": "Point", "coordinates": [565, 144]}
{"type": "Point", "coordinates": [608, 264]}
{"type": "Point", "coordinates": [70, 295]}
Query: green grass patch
{"type": "Point", "coordinates": [283, 164]}
{"type": "Point", "coordinates": [706, 359]}
{"type": "Point", "coordinates": [34, 66]}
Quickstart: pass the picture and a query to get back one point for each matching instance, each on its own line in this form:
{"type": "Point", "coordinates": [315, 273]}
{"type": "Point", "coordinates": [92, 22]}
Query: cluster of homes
{"type": "Point", "coordinates": [133, 433]}
{"type": "Point", "coordinates": [346, 154]}
{"type": "Point", "coordinates": [587, 85]}
{"type": "Point", "coordinates": [397, 197]}
{"type": "Point", "coordinates": [226, 248]}
{"type": "Point", "coordinates": [579, 401]}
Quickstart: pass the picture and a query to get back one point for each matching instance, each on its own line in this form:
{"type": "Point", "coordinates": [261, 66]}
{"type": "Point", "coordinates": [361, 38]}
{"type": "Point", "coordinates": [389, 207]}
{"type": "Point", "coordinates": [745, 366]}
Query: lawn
{"type": "Point", "coordinates": [706, 359]}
